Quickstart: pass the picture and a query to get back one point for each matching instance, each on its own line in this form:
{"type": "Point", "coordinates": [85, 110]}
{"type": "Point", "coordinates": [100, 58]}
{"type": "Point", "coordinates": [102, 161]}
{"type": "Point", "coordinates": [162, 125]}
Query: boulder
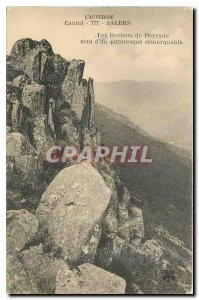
{"type": "Point", "coordinates": [21, 81]}
{"type": "Point", "coordinates": [22, 227]}
{"type": "Point", "coordinates": [136, 225]}
{"type": "Point", "coordinates": [24, 167]}
{"type": "Point", "coordinates": [72, 205]}
{"type": "Point", "coordinates": [18, 281]}
{"type": "Point", "coordinates": [41, 268]}
{"type": "Point", "coordinates": [90, 280]}
{"type": "Point", "coordinates": [13, 112]}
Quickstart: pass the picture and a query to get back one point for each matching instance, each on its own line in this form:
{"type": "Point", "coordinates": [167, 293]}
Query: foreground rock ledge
{"type": "Point", "coordinates": [88, 279]}
{"type": "Point", "coordinates": [71, 206]}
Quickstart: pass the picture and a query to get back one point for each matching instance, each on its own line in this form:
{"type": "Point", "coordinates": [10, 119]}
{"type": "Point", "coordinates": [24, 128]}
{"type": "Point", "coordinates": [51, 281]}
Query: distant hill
{"type": "Point", "coordinates": [162, 109]}
{"type": "Point", "coordinates": [163, 188]}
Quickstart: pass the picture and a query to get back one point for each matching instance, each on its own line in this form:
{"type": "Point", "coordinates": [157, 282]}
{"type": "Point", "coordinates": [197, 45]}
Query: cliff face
{"type": "Point", "coordinates": [48, 97]}
{"type": "Point", "coordinates": [85, 227]}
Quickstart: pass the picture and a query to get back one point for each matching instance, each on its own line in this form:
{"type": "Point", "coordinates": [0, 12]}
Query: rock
{"type": "Point", "coordinates": [18, 281]}
{"type": "Point", "coordinates": [24, 52]}
{"type": "Point", "coordinates": [108, 254]}
{"type": "Point", "coordinates": [37, 60]}
{"type": "Point", "coordinates": [173, 245]}
{"type": "Point", "coordinates": [14, 199]}
{"type": "Point", "coordinates": [41, 268]}
{"type": "Point", "coordinates": [75, 90]}
{"type": "Point", "coordinates": [88, 279]}
{"type": "Point", "coordinates": [22, 227]}
{"type": "Point", "coordinates": [69, 133]}
{"type": "Point", "coordinates": [135, 258]}
{"type": "Point", "coordinates": [74, 75]}
{"type": "Point", "coordinates": [91, 96]}
{"type": "Point", "coordinates": [21, 81]}
{"type": "Point", "coordinates": [136, 225]}
{"type": "Point", "coordinates": [96, 137]}
{"type": "Point", "coordinates": [34, 99]}
{"type": "Point", "coordinates": [91, 245]}
{"type": "Point", "coordinates": [12, 72]}
{"type": "Point", "coordinates": [123, 214]}
{"type": "Point", "coordinates": [17, 145]}
{"type": "Point", "coordinates": [8, 129]}
{"type": "Point", "coordinates": [72, 205]}
{"type": "Point", "coordinates": [53, 74]}
{"type": "Point", "coordinates": [13, 112]}
{"type": "Point", "coordinates": [153, 250]}
{"type": "Point", "coordinates": [35, 117]}
{"type": "Point", "coordinates": [132, 288]}
{"type": "Point", "coordinates": [49, 102]}
{"type": "Point", "coordinates": [110, 222]}
{"type": "Point", "coordinates": [41, 135]}
{"type": "Point", "coordinates": [175, 267]}
{"type": "Point", "coordinates": [79, 97]}
{"type": "Point", "coordinates": [24, 166]}
{"type": "Point", "coordinates": [12, 89]}
{"type": "Point", "coordinates": [109, 175]}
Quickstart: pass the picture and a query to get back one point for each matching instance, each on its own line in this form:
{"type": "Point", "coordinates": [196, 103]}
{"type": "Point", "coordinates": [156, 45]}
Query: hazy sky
{"type": "Point", "coordinates": [109, 62]}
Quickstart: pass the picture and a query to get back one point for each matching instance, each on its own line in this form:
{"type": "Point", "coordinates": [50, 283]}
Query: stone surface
{"type": "Point", "coordinates": [23, 55]}
{"type": "Point", "coordinates": [37, 60]}
{"type": "Point", "coordinates": [12, 72]}
{"type": "Point", "coordinates": [34, 99]}
{"type": "Point", "coordinates": [74, 75]}
{"type": "Point", "coordinates": [13, 112]}
{"type": "Point", "coordinates": [71, 206]}
{"type": "Point", "coordinates": [14, 199]}
{"type": "Point", "coordinates": [35, 117]}
{"type": "Point", "coordinates": [41, 268]}
{"type": "Point", "coordinates": [24, 166]}
{"type": "Point", "coordinates": [84, 216]}
{"type": "Point", "coordinates": [18, 281]}
{"type": "Point", "coordinates": [21, 81]}
{"type": "Point", "coordinates": [40, 133]}
{"type": "Point", "coordinates": [22, 227]}
{"type": "Point", "coordinates": [88, 279]}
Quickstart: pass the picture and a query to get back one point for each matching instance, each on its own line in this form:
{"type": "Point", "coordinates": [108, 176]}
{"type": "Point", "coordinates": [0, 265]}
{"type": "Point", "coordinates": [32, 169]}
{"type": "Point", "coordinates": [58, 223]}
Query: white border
{"type": "Point", "coordinates": [3, 5]}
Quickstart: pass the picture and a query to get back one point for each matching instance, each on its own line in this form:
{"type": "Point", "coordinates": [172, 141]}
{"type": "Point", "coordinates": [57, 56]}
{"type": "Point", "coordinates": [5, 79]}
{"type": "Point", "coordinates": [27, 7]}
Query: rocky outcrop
{"type": "Point", "coordinates": [37, 60]}
{"type": "Point", "coordinates": [24, 172]}
{"type": "Point", "coordinates": [73, 228]}
{"type": "Point", "coordinates": [34, 101]}
{"type": "Point", "coordinates": [88, 279]}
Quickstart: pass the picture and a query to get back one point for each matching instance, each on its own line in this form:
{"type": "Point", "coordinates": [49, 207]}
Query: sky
{"type": "Point", "coordinates": [107, 63]}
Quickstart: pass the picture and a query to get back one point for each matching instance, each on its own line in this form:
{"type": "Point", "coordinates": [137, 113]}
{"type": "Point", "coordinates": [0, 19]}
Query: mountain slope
{"type": "Point", "coordinates": [163, 188]}
{"type": "Point", "coordinates": [163, 109]}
